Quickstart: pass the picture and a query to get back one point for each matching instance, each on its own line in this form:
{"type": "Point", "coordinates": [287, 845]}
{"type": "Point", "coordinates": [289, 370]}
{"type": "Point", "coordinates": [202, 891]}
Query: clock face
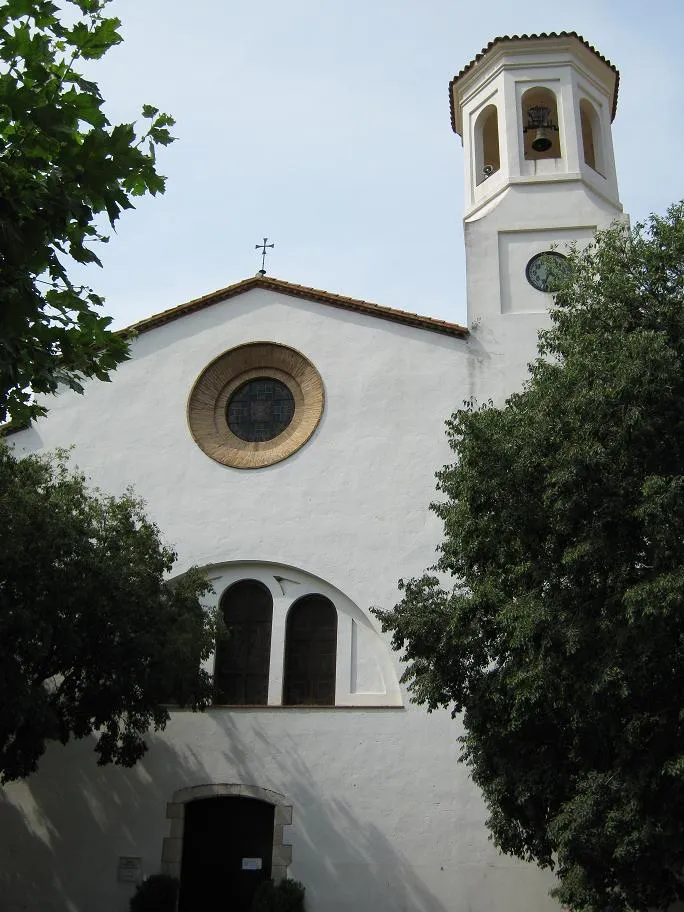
{"type": "Point", "coordinates": [545, 269]}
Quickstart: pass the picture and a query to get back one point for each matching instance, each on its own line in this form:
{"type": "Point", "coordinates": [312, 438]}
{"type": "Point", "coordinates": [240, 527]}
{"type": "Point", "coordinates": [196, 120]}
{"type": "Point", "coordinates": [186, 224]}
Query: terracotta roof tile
{"type": "Point", "coordinates": [503, 38]}
{"type": "Point", "coordinates": [13, 427]}
{"type": "Point", "coordinates": [299, 291]}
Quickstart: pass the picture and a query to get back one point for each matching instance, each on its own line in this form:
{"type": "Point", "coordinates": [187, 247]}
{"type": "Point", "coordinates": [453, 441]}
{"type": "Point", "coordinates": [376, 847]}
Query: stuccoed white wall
{"type": "Point", "coordinates": [505, 312]}
{"type": "Point", "coordinates": [348, 507]}
{"type": "Point", "coordinates": [384, 816]}
{"type": "Point", "coordinates": [365, 669]}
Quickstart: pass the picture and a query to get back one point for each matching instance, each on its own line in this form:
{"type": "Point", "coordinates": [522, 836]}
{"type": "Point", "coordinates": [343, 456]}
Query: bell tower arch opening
{"type": "Point", "coordinates": [541, 136]}
{"type": "Point", "coordinates": [537, 111]}
{"type": "Point", "coordinates": [486, 143]}
{"type": "Point", "coordinates": [592, 146]}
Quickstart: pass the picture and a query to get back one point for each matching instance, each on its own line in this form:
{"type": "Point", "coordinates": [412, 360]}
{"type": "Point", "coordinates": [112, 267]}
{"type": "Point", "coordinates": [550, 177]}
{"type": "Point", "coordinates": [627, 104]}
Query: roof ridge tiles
{"type": "Point", "coordinates": [299, 291]}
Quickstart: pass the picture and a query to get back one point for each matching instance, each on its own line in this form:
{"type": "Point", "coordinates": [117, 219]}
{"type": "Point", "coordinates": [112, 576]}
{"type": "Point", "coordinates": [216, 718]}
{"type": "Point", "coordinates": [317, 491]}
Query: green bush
{"type": "Point", "coordinates": [157, 893]}
{"type": "Point", "coordinates": [285, 896]}
{"type": "Point", "coordinates": [289, 896]}
{"type": "Point", "coordinates": [263, 900]}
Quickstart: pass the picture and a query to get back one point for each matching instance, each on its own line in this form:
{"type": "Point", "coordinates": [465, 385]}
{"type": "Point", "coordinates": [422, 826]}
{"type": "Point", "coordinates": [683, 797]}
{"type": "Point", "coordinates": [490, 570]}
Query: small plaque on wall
{"type": "Point", "coordinates": [251, 864]}
{"type": "Point", "coordinates": [130, 869]}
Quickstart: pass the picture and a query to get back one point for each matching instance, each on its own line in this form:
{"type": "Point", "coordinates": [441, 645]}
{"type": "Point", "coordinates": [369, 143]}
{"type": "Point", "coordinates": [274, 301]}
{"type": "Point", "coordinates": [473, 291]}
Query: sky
{"type": "Point", "coordinates": [324, 125]}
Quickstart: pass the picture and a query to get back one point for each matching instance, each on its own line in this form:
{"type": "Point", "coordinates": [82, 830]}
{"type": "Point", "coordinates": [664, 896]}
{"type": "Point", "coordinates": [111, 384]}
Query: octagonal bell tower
{"type": "Point", "coordinates": [534, 113]}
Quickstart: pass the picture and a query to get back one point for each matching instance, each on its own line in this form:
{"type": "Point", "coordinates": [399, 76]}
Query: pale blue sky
{"type": "Point", "coordinates": [324, 124]}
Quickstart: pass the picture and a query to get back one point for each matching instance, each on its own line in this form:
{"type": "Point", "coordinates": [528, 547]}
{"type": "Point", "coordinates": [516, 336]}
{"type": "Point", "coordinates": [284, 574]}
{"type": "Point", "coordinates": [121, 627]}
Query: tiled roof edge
{"type": "Point", "coordinates": [502, 38]}
{"type": "Point", "coordinates": [288, 288]}
{"type": "Point", "coordinates": [13, 427]}
{"type": "Point", "coordinates": [298, 291]}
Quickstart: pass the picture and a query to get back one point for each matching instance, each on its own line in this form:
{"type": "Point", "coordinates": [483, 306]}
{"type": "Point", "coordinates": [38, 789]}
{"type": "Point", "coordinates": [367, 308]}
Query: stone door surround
{"type": "Point", "coordinates": [172, 847]}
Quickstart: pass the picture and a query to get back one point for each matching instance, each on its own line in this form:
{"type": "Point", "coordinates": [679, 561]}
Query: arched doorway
{"type": "Point", "coordinates": [227, 852]}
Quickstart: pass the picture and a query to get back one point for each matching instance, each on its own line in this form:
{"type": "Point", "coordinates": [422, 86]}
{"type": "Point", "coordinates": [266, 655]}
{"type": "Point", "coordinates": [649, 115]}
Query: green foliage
{"type": "Point", "coordinates": [93, 641]}
{"type": "Point", "coordinates": [63, 167]}
{"type": "Point", "coordinates": [289, 896]}
{"type": "Point", "coordinates": [562, 639]}
{"type": "Point", "coordinates": [264, 897]}
{"type": "Point", "coordinates": [158, 893]}
{"type": "Point", "coordinates": [285, 896]}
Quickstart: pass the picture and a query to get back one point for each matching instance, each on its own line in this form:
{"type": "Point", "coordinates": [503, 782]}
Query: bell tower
{"type": "Point", "coordinates": [534, 113]}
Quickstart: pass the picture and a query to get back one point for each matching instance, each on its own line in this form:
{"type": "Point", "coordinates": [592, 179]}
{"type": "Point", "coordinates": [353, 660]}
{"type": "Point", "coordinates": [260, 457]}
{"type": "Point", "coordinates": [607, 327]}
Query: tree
{"type": "Point", "coordinates": [93, 641]}
{"type": "Point", "coordinates": [63, 168]}
{"type": "Point", "coordinates": [561, 636]}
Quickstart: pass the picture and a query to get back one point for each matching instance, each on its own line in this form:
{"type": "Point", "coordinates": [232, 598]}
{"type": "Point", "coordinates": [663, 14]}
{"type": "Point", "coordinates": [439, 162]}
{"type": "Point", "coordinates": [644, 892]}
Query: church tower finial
{"type": "Point", "coordinates": [263, 247]}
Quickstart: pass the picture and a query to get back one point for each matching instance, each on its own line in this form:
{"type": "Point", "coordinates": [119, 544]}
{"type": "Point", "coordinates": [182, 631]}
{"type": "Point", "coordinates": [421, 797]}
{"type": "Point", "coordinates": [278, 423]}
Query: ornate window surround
{"type": "Point", "coordinates": [366, 674]}
{"type": "Point", "coordinates": [213, 388]}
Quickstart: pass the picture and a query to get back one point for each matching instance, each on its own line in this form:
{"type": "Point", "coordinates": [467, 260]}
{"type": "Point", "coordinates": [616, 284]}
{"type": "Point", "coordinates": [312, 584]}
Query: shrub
{"type": "Point", "coordinates": [263, 900]}
{"type": "Point", "coordinates": [285, 896]}
{"type": "Point", "coordinates": [157, 893]}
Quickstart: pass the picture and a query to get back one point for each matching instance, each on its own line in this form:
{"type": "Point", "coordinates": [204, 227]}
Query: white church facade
{"type": "Point", "coordinates": [285, 439]}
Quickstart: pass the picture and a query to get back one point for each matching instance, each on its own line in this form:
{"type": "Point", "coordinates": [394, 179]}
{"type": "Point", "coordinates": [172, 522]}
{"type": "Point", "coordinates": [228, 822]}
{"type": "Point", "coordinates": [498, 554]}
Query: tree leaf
{"type": "Point", "coordinates": [561, 638]}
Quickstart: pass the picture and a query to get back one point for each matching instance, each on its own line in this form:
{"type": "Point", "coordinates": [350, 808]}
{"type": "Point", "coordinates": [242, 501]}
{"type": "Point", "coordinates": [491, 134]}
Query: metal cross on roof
{"type": "Point", "coordinates": [263, 247]}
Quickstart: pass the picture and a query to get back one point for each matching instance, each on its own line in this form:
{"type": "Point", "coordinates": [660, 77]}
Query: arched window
{"type": "Point", "coordinates": [591, 135]}
{"type": "Point", "coordinates": [310, 652]}
{"type": "Point", "coordinates": [541, 137]}
{"type": "Point", "coordinates": [486, 144]}
{"type": "Point", "coordinates": [243, 652]}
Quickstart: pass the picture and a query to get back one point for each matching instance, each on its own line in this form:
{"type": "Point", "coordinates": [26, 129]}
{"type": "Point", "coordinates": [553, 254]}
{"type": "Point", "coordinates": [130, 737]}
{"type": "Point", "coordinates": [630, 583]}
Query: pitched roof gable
{"type": "Point", "coordinates": [299, 291]}
{"type": "Point", "coordinates": [288, 288]}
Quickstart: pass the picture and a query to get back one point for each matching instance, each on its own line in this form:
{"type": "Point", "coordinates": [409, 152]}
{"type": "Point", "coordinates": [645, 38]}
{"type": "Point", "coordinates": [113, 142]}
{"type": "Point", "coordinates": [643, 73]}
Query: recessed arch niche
{"type": "Point", "coordinates": [365, 672]}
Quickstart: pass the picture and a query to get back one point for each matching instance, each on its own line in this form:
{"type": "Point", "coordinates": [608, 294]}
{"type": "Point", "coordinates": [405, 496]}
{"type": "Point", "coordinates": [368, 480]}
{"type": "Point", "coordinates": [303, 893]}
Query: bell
{"type": "Point", "coordinates": [541, 142]}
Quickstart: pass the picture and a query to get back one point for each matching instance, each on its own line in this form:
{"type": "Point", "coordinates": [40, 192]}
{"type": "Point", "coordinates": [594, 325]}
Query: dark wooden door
{"type": "Point", "coordinates": [227, 847]}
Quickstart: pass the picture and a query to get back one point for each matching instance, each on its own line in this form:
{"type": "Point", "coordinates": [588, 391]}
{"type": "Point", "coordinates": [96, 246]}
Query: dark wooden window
{"type": "Point", "coordinates": [310, 652]}
{"type": "Point", "coordinates": [243, 653]}
{"type": "Point", "coordinates": [260, 409]}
